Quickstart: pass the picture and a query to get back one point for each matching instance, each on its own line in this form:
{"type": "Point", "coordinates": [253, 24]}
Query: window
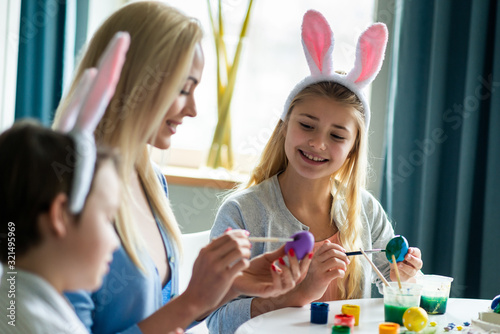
{"type": "Point", "coordinates": [271, 64]}
{"type": "Point", "coordinates": [99, 12]}
{"type": "Point", "coordinates": [10, 13]}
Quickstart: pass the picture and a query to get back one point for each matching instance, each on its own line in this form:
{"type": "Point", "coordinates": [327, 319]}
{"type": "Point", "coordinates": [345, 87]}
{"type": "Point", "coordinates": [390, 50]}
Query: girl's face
{"type": "Point", "coordinates": [92, 240]}
{"type": "Point", "coordinates": [319, 136]}
{"type": "Point", "coordinates": [184, 105]}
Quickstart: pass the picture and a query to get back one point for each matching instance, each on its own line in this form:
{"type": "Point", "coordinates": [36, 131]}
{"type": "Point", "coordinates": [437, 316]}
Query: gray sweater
{"type": "Point", "coordinates": [262, 211]}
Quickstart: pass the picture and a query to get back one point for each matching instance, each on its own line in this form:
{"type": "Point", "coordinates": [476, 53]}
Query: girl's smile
{"type": "Point", "coordinates": [313, 158]}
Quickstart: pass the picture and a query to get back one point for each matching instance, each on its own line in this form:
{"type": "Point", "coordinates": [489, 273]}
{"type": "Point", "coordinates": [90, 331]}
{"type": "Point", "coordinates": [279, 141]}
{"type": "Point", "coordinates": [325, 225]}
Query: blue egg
{"type": "Point", "coordinates": [495, 302]}
{"type": "Point", "coordinates": [397, 246]}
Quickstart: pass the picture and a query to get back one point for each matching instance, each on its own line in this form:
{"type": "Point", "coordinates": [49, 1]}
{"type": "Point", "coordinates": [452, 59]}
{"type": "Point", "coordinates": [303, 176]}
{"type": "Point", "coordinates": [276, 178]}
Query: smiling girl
{"type": "Point", "coordinates": [311, 177]}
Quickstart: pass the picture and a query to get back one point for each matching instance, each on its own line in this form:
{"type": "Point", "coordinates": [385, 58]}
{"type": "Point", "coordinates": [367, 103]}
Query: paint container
{"type": "Point", "coordinates": [435, 293]}
{"type": "Point", "coordinates": [319, 313]}
{"type": "Point", "coordinates": [352, 310]}
{"type": "Point", "coordinates": [397, 301]}
{"type": "Point", "coordinates": [344, 320]}
{"type": "Point", "coordinates": [388, 328]}
{"type": "Point", "coordinates": [341, 329]}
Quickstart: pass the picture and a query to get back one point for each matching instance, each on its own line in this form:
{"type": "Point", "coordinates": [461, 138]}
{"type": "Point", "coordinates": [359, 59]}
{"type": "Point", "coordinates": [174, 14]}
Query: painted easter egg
{"type": "Point", "coordinates": [397, 246]}
{"type": "Point", "coordinates": [302, 244]}
{"type": "Point", "coordinates": [495, 304]}
{"type": "Point", "coordinates": [415, 319]}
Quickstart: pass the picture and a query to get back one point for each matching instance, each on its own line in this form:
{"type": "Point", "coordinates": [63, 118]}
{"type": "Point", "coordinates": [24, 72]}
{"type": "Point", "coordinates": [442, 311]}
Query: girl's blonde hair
{"type": "Point", "coordinates": [158, 61]}
{"type": "Point", "coordinates": [346, 184]}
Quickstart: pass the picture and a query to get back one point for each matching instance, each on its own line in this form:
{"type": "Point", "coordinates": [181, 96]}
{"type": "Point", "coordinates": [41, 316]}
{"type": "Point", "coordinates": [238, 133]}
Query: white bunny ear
{"type": "Point", "coordinates": [369, 55]}
{"type": "Point", "coordinates": [70, 114]}
{"type": "Point", "coordinates": [91, 97]}
{"type": "Point", "coordinates": [317, 41]}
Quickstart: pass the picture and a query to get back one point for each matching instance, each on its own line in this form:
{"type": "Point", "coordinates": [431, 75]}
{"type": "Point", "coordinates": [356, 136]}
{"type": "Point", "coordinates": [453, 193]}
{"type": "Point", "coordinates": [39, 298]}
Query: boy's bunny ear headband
{"type": "Point", "coordinates": [84, 111]}
{"type": "Point", "coordinates": [317, 40]}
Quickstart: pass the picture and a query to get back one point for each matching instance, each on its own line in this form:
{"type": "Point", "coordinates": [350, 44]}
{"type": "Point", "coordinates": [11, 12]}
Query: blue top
{"type": "Point", "coordinates": [128, 295]}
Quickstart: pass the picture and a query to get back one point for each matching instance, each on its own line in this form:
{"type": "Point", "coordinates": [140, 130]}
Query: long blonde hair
{"type": "Point", "coordinates": [346, 184]}
{"type": "Point", "coordinates": [158, 61]}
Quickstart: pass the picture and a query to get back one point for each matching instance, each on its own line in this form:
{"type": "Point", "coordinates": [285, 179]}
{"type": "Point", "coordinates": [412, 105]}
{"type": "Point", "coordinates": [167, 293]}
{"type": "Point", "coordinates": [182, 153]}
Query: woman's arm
{"type": "Point", "coordinates": [213, 274]}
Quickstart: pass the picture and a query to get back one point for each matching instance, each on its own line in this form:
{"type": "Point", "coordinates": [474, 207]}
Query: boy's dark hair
{"type": "Point", "coordinates": [36, 164]}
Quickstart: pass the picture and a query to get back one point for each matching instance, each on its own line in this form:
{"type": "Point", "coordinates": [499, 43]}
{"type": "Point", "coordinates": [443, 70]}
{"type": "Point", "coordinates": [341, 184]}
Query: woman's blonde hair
{"type": "Point", "coordinates": [158, 61]}
{"type": "Point", "coordinates": [346, 184]}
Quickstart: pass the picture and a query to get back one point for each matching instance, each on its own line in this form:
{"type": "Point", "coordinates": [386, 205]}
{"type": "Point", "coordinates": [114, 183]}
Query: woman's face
{"type": "Point", "coordinates": [92, 240]}
{"type": "Point", "coordinates": [184, 105]}
{"type": "Point", "coordinates": [319, 136]}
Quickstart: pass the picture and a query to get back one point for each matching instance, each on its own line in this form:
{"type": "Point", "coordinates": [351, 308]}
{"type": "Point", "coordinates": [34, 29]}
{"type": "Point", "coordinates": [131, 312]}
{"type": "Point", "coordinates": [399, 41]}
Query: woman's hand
{"type": "Point", "coordinates": [216, 267]}
{"type": "Point", "coordinates": [265, 278]}
{"type": "Point", "coordinates": [327, 263]}
{"type": "Point", "coordinates": [409, 267]}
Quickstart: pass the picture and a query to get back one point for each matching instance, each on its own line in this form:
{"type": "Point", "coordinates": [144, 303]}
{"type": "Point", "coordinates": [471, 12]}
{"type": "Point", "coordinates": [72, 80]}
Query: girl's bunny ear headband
{"type": "Point", "coordinates": [317, 40]}
{"type": "Point", "coordinates": [86, 108]}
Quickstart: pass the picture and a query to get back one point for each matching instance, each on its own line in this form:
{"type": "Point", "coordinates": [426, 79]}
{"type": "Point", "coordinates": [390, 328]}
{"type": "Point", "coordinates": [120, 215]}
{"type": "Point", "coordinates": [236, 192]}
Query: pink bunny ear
{"type": "Point", "coordinates": [70, 114]}
{"type": "Point", "coordinates": [317, 40]}
{"type": "Point", "coordinates": [369, 55]}
{"type": "Point", "coordinates": [103, 88]}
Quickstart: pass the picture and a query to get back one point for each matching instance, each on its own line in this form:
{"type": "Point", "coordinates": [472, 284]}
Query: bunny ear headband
{"type": "Point", "coordinates": [86, 108]}
{"type": "Point", "coordinates": [317, 41]}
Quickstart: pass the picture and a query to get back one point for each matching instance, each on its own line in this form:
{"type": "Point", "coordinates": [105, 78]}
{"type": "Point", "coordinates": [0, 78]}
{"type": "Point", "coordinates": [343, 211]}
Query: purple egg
{"type": "Point", "coordinates": [302, 244]}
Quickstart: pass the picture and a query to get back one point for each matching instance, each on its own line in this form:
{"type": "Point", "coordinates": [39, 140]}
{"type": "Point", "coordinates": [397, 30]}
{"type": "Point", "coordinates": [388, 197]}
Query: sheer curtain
{"type": "Point", "coordinates": [441, 185]}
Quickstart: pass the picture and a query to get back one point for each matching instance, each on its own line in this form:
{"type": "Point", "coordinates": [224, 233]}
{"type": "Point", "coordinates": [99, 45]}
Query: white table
{"type": "Point", "coordinates": [297, 319]}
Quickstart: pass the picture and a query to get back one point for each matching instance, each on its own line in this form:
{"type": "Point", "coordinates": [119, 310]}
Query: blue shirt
{"type": "Point", "coordinates": [128, 295]}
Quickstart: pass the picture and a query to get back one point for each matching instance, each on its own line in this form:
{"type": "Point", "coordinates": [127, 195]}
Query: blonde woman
{"type": "Point", "coordinates": [163, 66]}
{"type": "Point", "coordinates": [311, 176]}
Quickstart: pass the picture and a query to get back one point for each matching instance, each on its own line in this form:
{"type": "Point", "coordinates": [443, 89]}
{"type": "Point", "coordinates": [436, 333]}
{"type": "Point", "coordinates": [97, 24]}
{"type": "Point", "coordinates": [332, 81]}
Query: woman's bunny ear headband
{"type": "Point", "coordinates": [317, 40]}
{"type": "Point", "coordinates": [86, 108]}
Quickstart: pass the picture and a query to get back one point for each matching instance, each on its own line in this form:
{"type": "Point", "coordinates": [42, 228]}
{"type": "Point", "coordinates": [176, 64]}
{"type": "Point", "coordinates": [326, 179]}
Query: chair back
{"type": "Point", "coordinates": [192, 243]}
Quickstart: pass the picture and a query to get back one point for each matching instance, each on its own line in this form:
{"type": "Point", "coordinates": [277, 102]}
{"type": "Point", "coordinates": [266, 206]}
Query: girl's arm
{"type": "Point", "coordinates": [381, 233]}
{"type": "Point", "coordinates": [227, 318]}
{"type": "Point", "coordinates": [230, 316]}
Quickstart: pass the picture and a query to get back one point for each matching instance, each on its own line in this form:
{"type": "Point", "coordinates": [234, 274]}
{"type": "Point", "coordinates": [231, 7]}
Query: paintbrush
{"type": "Point", "coordinates": [396, 270]}
{"type": "Point", "coordinates": [269, 239]}
{"type": "Point", "coordinates": [375, 268]}
{"type": "Point", "coordinates": [366, 251]}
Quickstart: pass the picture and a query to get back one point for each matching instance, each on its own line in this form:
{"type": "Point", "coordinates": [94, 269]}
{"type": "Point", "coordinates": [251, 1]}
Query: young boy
{"type": "Point", "coordinates": [46, 249]}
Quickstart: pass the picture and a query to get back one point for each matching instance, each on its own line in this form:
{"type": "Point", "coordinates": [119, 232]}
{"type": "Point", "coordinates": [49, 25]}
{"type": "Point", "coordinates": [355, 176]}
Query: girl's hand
{"type": "Point", "coordinates": [329, 262]}
{"type": "Point", "coordinates": [409, 267]}
{"type": "Point", "coordinates": [216, 267]}
{"type": "Point", "coordinates": [269, 276]}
